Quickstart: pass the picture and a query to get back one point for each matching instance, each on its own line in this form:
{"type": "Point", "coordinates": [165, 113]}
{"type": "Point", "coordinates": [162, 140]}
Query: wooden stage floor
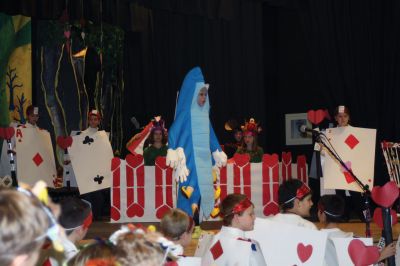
{"type": "Point", "coordinates": [105, 229]}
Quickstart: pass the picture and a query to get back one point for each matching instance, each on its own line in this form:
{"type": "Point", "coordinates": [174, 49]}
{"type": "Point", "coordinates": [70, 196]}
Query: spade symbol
{"type": "Point", "coordinates": [98, 179]}
{"type": "Point", "coordinates": [88, 140]}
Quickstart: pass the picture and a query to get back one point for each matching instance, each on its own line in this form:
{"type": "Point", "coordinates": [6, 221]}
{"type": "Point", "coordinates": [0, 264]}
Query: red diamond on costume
{"type": "Point", "coordinates": [37, 159]}
{"type": "Point", "coordinates": [351, 141]}
{"type": "Point", "coordinates": [216, 250]}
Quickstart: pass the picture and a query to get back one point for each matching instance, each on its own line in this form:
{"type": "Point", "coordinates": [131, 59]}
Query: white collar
{"type": "Point", "coordinates": [235, 232]}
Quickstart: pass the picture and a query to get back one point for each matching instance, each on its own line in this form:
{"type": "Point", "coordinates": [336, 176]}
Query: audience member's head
{"type": "Point", "coordinates": [330, 209]}
{"type": "Point", "coordinates": [237, 211]}
{"type": "Point", "coordinates": [177, 226]}
{"type": "Point", "coordinates": [95, 253]}
{"type": "Point", "coordinates": [295, 197]}
{"type": "Point", "coordinates": [32, 114]}
{"type": "Point", "coordinates": [76, 217]}
{"type": "Point", "coordinates": [23, 226]}
{"type": "Point", "coordinates": [139, 249]}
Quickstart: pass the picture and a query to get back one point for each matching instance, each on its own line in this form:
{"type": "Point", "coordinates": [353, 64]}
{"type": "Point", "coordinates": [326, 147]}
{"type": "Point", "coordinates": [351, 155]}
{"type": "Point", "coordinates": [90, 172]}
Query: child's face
{"type": "Point", "coordinates": [246, 220]}
{"type": "Point", "coordinates": [238, 136]}
{"type": "Point", "coordinates": [157, 136]}
{"type": "Point", "coordinates": [94, 121]}
{"type": "Point", "coordinates": [202, 97]}
{"type": "Point", "coordinates": [248, 139]}
{"type": "Point", "coordinates": [32, 119]}
{"type": "Point", "coordinates": [342, 119]}
{"type": "Point", "coordinates": [304, 206]}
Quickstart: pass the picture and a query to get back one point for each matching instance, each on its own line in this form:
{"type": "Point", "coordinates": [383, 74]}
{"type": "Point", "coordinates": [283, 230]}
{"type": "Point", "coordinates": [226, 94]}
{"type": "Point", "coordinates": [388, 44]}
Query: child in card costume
{"type": "Point", "coordinates": [249, 142]}
{"type": "Point", "coordinates": [191, 142]}
{"type": "Point", "coordinates": [230, 246]}
{"type": "Point", "coordinates": [295, 202]}
{"type": "Point", "coordinates": [158, 142]}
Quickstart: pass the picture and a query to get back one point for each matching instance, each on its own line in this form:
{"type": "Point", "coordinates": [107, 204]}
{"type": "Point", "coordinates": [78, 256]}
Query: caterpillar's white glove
{"type": "Point", "coordinates": [172, 158]}
{"type": "Point", "coordinates": [220, 158]}
{"type": "Point", "coordinates": [181, 171]}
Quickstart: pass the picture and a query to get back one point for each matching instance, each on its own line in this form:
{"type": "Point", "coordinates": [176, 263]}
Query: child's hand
{"type": "Point", "coordinates": [388, 251]}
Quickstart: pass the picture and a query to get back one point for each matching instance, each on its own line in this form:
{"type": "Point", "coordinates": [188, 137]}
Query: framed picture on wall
{"type": "Point", "coordinates": [293, 122]}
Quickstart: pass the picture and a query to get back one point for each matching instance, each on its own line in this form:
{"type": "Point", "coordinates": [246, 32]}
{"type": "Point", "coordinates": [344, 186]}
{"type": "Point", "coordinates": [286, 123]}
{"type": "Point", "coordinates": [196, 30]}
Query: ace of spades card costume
{"type": "Point", "coordinates": [191, 141]}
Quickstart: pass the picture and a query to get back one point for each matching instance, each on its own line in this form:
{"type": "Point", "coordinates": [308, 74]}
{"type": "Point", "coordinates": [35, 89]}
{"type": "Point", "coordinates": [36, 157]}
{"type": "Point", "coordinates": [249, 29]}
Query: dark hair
{"type": "Point", "coordinates": [74, 211]}
{"type": "Point", "coordinates": [29, 110]}
{"type": "Point", "coordinates": [287, 191]}
{"type": "Point", "coordinates": [227, 205]}
{"type": "Point", "coordinates": [151, 137]}
{"type": "Point", "coordinates": [332, 206]}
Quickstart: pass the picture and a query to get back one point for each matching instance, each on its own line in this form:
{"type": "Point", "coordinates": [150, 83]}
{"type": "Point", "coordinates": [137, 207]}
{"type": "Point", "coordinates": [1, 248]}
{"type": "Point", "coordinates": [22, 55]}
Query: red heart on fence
{"type": "Point", "coordinates": [304, 252]}
{"type": "Point", "coordinates": [162, 210]}
{"type": "Point", "coordinates": [134, 160]}
{"type": "Point", "coordinates": [385, 196]}
{"type": "Point", "coordinates": [270, 159]}
{"type": "Point", "coordinates": [361, 254]}
{"type": "Point", "coordinates": [316, 117]}
{"type": "Point", "coordinates": [115, 214]}
{"type": "Point", "coordinates": [378, 219]}
{"type": "Point", "coordinates": [64, 142]}
{"type": "Point", "coordinates": [115, 162]}
{"type": "Point", "coordinates": [286, 157]}
{"type": "Point", "coordinates": [135, 210]}
{"type": "Point", "coordinates": [241, 159]}
{"type": "Point", "coordinates": [7, 132]}
{"type": "Point", "coordinates": [161, 162]}
{"type": "Point", "coordinates": [271, 208]}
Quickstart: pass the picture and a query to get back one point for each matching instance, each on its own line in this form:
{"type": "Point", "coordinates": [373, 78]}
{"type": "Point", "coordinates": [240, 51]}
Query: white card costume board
{"type": "Point", "coordinates": [356, 147]}
{"type": "Point", "coordinates": [288, 245]}
{"type": "Point", "coordinates": [342, 245]}
{"type": "Point", "coordinates": [35, 156]}
{"type": "Point", "coordinates": [248, 179]}
{"type": "Point", "coordinates": [91, 159]}
{"type": "Point", "coordinates": [5, 166]}
{"type": "Point", "coordinates": [189, 261]}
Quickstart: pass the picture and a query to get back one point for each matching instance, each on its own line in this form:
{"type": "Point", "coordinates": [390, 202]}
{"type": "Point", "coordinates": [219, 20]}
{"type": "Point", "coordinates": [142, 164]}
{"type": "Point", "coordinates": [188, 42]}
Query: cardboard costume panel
{"type": "Point", "coordinates": [35, 156]}
{"type": "Point", "coordinates": [356, 147]}
{"type": "Point", "coordinates": [91, 157]}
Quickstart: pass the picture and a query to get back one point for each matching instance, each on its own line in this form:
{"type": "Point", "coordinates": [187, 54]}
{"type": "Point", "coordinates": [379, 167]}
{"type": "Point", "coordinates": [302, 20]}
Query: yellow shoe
{"type": "Point", "coordinates": [215, 212]}
{"type": "Point", "coordinates": [195, 207]}
{"type": "Point", "coordinates": [217, 193]}
{"type": "Point", "coordinates": [187, 191]}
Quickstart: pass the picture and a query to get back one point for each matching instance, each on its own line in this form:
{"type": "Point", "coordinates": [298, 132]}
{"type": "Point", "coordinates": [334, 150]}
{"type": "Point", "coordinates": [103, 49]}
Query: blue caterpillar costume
{"type": "Point", "coordinates": [193, 134]}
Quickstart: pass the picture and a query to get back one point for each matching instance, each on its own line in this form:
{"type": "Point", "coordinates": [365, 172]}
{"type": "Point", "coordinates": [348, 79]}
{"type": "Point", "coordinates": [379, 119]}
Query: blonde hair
{"type": "Point", "coordinates": [139, 249]}
{"type": "Point", "coordinates": [97, 250]}
{"type": "Point", "coordinates": [174, 223]}
{"type": "Point", "coordinates": [23, 224]}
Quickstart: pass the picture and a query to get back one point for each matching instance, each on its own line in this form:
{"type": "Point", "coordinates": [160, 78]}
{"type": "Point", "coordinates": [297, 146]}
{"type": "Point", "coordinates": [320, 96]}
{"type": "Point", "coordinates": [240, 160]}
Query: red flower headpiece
{"type": "Point", "coordinates": [251, 128]}
{"type": "Point", "coordinates": [158, 124]}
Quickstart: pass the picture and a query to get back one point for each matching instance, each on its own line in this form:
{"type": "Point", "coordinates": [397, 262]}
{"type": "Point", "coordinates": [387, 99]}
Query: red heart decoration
{"type": "Point", "coordinates": [115, 162]}
{"type": "Point", "coordinates": [316, 117]}
{"type": "Point", "coordinates": [135, 210]}
{"type": "Point", "coordinates": [134, 160]}
{"type": "Point", "coordinates": [162, 210]}
{"type": "Point", "coordinates": [241, 159]}
{"type": "Point", "coordinates": [7, 132]}
{"type": "Point", "coordinates": [64, 142]}
{"type": "Point", "coordinates": [378, 219]}
{"type": "Point", "coordinates": [115, 214]}
{"type": "Point", "coordinates": [304, 252]}
{"type": "Point", "coordinates": [286, 157]}
{"type": "Point", "coordinates": [270, 159]}
{"type": "Point", "coordinates": [361, 254]}
{"type": "Point", "coordinates": [271, 208]}
{"type": "Point", "coordinates": [385, 196]}
{"type": "Point", "coordinates": [161, 162]}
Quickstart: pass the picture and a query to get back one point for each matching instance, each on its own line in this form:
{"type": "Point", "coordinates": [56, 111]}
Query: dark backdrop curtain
{"type": "Point", "coordinates": [171, 43]}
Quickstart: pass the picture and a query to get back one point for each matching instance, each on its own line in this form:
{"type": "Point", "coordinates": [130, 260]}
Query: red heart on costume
{"type": "Point", "coordinates": [135, 210]}
{"type": "Point", "coordinates": [161, 162]}
{"type": "Point", "coordinates": [270, 159]}
{"type": "Point", "coordinates": [7, 132]}
{"type": "Point", "coordinates": [316, 117]}
{"type": "Point", "coordinates": [378, 219]}
{"type": "Point", "coordinates": [115, 214]}
{"type": "Point", "coordinates": [134, 160]}
{"type": "Point", "coordinates": [162, 210]}
{"type": "Point", "coordinates": [361, 254]}
{"type": "Point", "coordinates": [304, 252]}
{"type": "Point", "coordinates": [64, 142]}
{"type": "Point", "coordinates": [271, 208]}
{"type": "Point", "coordinates": [241, 159]}
{"type": "Point", "coordinates": [385, 196]}
{"type": "Point", "coordinates": [286, 157]}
